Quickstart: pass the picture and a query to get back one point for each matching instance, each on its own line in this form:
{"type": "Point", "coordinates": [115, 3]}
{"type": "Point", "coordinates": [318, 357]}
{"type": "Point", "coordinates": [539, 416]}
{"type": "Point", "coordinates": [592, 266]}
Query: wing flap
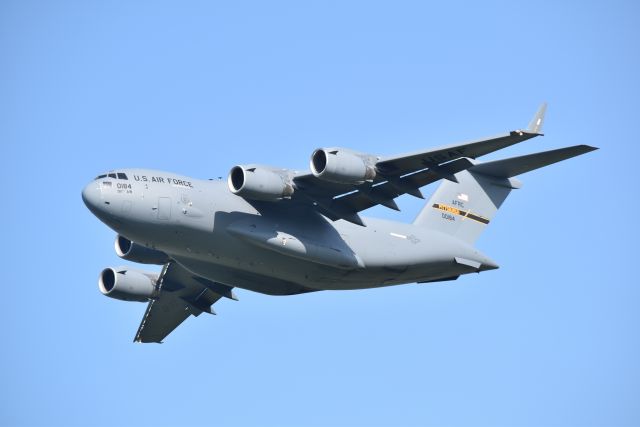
{"type": "Point", "coordinates": [389, 190]}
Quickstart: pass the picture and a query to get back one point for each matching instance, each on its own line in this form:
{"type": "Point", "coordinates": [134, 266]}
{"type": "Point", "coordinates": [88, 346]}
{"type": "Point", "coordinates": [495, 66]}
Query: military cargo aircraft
{"type": "Point", "coordinates": [284, 232]}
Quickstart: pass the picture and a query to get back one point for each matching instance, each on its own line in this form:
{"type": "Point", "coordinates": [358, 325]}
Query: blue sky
{"type": "Point", "coordinates": [549, 339]}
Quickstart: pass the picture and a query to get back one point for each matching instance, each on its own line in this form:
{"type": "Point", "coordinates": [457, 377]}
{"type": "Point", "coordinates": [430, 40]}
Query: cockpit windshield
{"type": "Point", "coordinates": [116, 175]}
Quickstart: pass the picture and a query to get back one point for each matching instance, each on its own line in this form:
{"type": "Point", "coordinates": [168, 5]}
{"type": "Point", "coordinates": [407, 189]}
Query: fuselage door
{"type": "Point", "coordinates": [164, 208]}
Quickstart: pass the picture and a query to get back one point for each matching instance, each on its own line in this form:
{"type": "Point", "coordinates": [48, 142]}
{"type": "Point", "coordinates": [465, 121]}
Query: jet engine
{"type": "Point", "coordinates": [127, 285]}
{"type": "Point", "coordinates": [342, 166]}
{"type": "Point", "coordinates": [126, 249]}
{"type": "Point", "coordinates": [260, 183]}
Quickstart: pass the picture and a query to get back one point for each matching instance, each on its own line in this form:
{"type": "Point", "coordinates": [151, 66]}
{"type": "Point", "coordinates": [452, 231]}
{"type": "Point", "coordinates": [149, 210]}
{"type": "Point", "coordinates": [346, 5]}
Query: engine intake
{"type": "Point", "coordinates": [127, 285]}
{"type": "Point", "coordinates": [342, 166]}
{"type": "Point", "coordinates": [259, 183]}
{"type": "Point", "coordinates": [131, 251]}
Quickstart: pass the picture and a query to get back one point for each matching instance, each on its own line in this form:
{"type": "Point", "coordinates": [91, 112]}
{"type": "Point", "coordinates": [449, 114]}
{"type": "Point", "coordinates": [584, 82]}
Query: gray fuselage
{"type": "Point", "coordinates": [276, 248]}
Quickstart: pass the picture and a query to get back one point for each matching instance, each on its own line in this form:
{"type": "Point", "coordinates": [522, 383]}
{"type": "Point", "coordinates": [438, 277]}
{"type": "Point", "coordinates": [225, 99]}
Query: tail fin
{"type": "Point", "coordinates": [465, 208]}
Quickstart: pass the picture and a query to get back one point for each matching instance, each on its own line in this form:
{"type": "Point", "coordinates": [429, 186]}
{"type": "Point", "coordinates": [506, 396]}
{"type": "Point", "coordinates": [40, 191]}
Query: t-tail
{"type": "Point", "coordinates": [464, 208]}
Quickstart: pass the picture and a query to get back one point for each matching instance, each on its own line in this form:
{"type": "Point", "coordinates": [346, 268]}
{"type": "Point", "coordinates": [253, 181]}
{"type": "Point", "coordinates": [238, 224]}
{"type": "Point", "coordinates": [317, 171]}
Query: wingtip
{"type": "Point", "coordinates": [536, 123]}
{"type": "Point", "coordinates": [588, 148]}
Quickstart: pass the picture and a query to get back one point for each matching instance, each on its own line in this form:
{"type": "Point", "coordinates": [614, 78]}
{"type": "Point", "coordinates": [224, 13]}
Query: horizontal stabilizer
{"type": "Point", "coordinates": [508, 168]}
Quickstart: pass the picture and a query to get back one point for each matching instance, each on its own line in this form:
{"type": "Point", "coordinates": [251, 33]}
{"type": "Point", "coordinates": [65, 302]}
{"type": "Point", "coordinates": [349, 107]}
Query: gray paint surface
{"type": "Point", "coordinates": [312, 239]}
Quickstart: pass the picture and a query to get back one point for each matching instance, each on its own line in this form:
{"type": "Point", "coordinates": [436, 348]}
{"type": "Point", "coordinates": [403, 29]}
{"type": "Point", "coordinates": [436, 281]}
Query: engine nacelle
{"type": "Point", "coordinates": [342, 166]}
{"type": "Point", "coordinates": [131, 251]}
{"type": "Point", "coordinates": [127, 285]}
{"type": "Point", "coordinates": [259, 183]}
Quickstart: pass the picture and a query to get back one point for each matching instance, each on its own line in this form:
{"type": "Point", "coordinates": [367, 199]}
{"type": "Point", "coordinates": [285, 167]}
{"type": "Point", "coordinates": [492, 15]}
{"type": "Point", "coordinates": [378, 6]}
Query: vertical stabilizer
{"type": "Point", "coordinates": [465, 208]}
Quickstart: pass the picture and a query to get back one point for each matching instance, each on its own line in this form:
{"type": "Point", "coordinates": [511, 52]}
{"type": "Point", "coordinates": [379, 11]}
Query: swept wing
{"type": "Point", "coordinates": [181, 294]}
{"type": "Point", "coordinates": [404, 174]}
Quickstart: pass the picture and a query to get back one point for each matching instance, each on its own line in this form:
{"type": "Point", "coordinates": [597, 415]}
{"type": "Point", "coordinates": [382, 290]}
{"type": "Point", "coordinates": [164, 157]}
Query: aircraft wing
{"type": "Point", "coordinates": [181, 294]}
{"type": "Point", "coordinates": [403, 174]}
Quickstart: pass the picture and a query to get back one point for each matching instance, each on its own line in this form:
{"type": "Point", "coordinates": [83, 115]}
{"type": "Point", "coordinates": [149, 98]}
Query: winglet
{"type": "Point", "coordinates": [535, 125]}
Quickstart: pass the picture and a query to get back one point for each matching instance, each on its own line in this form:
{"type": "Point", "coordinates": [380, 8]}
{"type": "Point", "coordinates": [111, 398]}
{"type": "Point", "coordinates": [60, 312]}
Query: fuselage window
{"type": "Point", "coordinates": [112, 175]}
{"type": "Point", "coordinates": [122, 175]}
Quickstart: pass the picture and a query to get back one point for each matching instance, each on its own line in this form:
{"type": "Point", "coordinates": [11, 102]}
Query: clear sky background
{"type": "Point", "coordinates": [549, 339]}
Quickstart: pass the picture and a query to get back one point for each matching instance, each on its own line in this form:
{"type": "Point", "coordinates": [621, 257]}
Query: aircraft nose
{"type": "Point", "coordinates": [91, 195]}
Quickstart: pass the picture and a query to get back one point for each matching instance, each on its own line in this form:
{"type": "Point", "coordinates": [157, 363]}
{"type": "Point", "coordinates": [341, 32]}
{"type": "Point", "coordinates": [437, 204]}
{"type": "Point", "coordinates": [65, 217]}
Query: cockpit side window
{"type": "Point", "coordinates": [112, 175]}
{"type": "Point", "coordinates": [122, 175]}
